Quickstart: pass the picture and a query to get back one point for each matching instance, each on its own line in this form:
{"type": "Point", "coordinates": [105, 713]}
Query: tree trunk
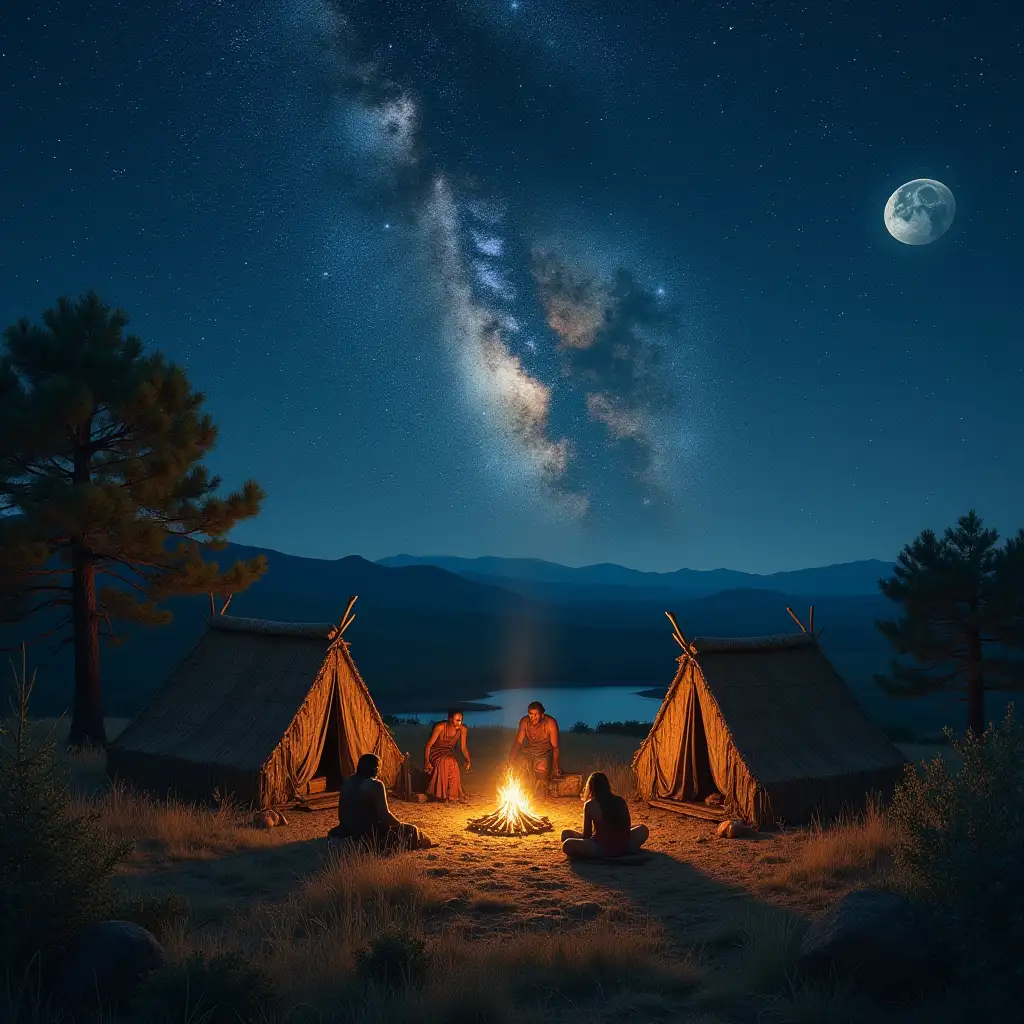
{"type": "Point", "coordinates": [87, 717]}
{"type": "Point", "coordinates": [975, 686]}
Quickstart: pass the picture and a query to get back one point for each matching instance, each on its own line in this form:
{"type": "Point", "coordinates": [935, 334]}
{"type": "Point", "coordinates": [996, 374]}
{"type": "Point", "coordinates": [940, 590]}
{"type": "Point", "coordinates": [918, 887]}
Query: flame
{"type": "Point", "coordinates": [514, 816]}
{"type": "Point", "coordinates": [513, 801]}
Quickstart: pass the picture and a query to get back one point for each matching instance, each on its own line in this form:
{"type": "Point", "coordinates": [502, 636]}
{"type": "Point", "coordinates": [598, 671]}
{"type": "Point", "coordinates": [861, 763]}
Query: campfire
{"type": "Point", "coordinates": [513, 816]}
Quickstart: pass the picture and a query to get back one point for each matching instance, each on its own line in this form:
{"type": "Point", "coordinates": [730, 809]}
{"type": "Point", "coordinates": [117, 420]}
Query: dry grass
{"type": "Point", "coordinates": [692, 937]}
{"type": "Point", "coordinates": [855, 849]}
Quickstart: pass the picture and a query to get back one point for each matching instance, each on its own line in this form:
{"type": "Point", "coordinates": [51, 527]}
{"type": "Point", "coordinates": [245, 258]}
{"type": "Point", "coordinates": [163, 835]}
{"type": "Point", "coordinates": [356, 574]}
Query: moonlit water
{"type": "Point", "coordinates": [569, 705]}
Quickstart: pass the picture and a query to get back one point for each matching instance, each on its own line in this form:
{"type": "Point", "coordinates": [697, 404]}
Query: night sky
{"type": "Point", "coordinates": [573, 279]}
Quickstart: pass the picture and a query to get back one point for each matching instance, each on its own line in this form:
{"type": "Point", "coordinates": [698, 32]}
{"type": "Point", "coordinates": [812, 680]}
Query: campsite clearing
{"type": "Point", "coordinates": [513, 924]}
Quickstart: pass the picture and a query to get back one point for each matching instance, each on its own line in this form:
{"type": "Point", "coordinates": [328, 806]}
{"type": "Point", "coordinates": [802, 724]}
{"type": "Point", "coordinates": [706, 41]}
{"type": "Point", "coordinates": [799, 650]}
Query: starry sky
{"type": "Point", "coordinates": [571, 279]}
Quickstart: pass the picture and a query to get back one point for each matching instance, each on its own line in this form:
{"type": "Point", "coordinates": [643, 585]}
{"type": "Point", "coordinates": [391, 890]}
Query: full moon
{"type": "Point", "coordinates": [919, 211]}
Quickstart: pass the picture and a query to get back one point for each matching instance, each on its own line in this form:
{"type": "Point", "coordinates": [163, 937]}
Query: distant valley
{"type": "Point", "coordinates": [429, 631]}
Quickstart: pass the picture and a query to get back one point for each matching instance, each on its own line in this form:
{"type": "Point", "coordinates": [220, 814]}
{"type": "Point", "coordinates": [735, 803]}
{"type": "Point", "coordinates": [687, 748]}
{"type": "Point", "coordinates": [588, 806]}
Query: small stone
{"type": "Point", "coordinates": [734, 829]}
{"type": "Point", "coordinates": [263, 819]}
{"type": "Point", "coordinates": [702, 839]}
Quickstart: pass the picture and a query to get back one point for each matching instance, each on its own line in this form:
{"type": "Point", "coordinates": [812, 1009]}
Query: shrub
{"type": "Point", "coordinates": [581, 727]}
{"type": "Point", "coordinates": [157, 914]}
{"type": "Point", "coordinates": [221, 989]}
{"type": "Point", "coordinates": [395, 957]}
{"type": "Point", "coordinates": [629, 728]}
{"type": "Point", "coordinates": [958, 847]}
{"type": "Point", "coordinates": [55, 863]}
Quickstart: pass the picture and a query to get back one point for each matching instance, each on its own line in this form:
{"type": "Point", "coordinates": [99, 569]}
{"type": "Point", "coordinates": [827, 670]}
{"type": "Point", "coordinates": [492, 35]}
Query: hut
{"type": "Point", "coordinates": [267, 713]}
{"type": "Point", "coordinates": [768, 725]}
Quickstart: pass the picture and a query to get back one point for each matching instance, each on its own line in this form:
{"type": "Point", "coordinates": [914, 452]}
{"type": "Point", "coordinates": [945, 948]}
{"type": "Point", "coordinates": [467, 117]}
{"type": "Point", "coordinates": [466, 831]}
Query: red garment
{"type": "Point", "coordinates": [445, 779]}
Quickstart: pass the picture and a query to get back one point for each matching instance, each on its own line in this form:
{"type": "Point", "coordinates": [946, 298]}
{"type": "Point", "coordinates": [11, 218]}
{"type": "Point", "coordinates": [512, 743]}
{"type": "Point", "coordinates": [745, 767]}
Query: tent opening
{"type": "Point", "coordinates": [695, 780]}
{"type": "Point", "coordinates": [329, 768]}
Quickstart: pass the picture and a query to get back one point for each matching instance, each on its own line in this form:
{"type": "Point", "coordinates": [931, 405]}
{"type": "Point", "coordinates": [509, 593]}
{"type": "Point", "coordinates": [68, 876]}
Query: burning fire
{"type": "Point", "coordinates": [513, 816]}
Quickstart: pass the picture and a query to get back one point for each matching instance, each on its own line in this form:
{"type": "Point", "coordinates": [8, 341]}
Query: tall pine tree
{"type": "Point", "coordinates": [961, 600]}
{"type": "Point", "coordinates": [101, 479]}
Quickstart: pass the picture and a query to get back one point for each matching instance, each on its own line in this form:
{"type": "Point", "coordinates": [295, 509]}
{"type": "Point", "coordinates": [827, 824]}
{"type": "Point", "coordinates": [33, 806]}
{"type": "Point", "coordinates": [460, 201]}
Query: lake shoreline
{"type": "Point", "coordinates": [569, 705]}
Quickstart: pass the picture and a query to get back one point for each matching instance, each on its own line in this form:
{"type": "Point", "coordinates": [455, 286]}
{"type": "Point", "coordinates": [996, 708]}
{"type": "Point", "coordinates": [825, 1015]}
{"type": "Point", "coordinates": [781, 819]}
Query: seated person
{"type": "Point", "coordinates": [536, 744]}
{"type": "Point", "coordinates": [365, 818]}
{"type": "Point", "coordinates": [439, 758]}
{"type": "Point", "coordinates": [607, 828]}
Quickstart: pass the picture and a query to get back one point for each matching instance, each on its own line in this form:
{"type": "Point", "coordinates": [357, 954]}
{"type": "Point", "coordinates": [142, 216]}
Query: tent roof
{"type": "Point", "coordinates": [787, 710]}
{"type": "Point", "coordinates": [233, 697]}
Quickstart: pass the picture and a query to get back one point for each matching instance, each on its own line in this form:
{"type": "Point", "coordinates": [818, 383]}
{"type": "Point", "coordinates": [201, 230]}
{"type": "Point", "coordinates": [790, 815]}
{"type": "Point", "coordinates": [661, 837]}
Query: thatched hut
{"type": "Point", "coordinates": [767, 723]}
{"type": "Point", "coordinates": [264, 712]}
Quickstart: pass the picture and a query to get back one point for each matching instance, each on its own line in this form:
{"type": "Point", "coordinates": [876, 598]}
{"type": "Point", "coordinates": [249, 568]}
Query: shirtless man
{"type": "Point", "coordinates": [536, 744]}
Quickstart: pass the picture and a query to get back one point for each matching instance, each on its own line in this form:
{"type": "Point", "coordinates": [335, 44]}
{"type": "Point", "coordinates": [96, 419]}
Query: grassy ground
{"type": "Point", "coordinates": [503, 929]}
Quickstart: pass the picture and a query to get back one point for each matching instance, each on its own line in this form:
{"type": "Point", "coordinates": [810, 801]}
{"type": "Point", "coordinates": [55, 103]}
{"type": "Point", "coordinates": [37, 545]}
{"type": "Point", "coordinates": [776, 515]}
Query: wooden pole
{"type": "Point", "coordinates": [226, 603]}
{"type": "Point", "coordinates": [677, 632]}
{"type": "Point", "coordinates": [810, 624]}
{"type": "Point", "coordinates": [213, 607]}
{"type": "Point", "coordinates": [346, 620]}
{"type": "Point", "coordinates": [796, 620]}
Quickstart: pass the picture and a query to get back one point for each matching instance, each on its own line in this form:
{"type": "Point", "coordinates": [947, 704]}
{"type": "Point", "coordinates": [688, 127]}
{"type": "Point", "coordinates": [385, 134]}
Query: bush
{"type": "Point", "coordinates": [157, 914]}
{"type": "Point", "coordinates": [629, 728]}
{"type": "Point", "coordinates": [958, 847]}
{"type": "Point", "coordinates": [55, 864]}
{"type": "Point", "coordinates": [396, 957]}
{"type": "Point", "coordinates": [581, 727]}
{"type": "Point", "coordinates": [221, 989]}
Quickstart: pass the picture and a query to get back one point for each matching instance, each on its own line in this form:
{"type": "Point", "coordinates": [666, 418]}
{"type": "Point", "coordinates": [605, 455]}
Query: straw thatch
{"type": "Point", "coordinates": [256, 711]}
{"type": "Point", "coordinates": [768, 723]}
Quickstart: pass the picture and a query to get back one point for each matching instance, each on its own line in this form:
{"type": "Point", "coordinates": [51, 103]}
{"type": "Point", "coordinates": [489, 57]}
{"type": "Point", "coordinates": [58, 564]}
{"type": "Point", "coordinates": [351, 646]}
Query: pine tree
{"type": "Point", "coordinates": [101, 479]}
{"type": "Point", "coordinates": [961, 612]}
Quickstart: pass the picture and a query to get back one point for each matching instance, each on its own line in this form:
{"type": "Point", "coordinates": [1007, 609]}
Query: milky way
{"type": "Point", "coordinates": [567, 370]}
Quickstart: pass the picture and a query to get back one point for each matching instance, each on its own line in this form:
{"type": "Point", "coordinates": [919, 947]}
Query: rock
{"type": "Point", "coordinates": [105, 963]}
{"type": "Point", "coordinates": [715, 800]}
{"type": "Point", "coordinates": [455, 905]}
{"type": "Point", "coordinates": [264, 819]}
{"type": "Point", "coordinates": [421, 798]}
{"type": "Point", "coordinates": [878, 940]}
{"type": "Point", "coordinates": [734, 829]}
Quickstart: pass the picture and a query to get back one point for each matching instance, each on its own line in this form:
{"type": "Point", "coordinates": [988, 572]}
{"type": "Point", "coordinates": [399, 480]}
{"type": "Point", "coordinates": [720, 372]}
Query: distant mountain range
{"type": "Point", "coordinates": [432, 631]}
{"type": "Point", "coordinates": [606, 579]}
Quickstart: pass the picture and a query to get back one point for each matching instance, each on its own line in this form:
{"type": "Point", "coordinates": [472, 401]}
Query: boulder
{"type": "Point", "coordinates": [877, 940]}
{"type": "Point", "coordinates": [734, 829]}
{"type": "Point", "coordinates": [105, 963]}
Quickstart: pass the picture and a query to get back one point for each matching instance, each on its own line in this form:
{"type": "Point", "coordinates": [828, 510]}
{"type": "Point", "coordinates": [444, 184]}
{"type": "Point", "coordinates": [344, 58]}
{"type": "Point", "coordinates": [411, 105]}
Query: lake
{"type": "Point", "coordinates": [567, 704]}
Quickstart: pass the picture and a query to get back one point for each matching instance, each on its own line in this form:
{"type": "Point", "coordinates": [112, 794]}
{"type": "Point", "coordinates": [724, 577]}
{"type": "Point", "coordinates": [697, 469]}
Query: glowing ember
{"type": "Point", "coordinates": [513, 816]}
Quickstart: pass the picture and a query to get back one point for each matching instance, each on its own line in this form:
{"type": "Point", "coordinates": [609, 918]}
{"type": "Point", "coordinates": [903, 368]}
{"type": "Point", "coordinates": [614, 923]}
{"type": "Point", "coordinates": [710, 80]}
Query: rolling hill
{"type": "Point", "coordinates": [425, 636]}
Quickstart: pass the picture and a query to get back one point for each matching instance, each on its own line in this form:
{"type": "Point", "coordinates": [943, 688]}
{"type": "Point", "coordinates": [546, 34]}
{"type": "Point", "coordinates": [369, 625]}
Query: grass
{"type": "Point", "coordinates": [854, 849]}
{"type": "Point", "coordinates": [208, 884]}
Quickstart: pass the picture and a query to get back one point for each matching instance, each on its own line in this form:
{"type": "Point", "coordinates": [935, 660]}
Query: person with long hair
{"type": "Point", "coordinates": [439, 758]}
{"type": "Point", "coordinates": [364, 818]}
{"type": "Point", "coordinates": [608, 830]}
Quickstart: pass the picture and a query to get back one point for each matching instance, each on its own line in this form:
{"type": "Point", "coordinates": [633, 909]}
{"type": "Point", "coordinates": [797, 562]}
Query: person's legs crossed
{"type": "Point", "coordinates": [638, 835]}
{"type": "Point", "coordinates": [582, 849]}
